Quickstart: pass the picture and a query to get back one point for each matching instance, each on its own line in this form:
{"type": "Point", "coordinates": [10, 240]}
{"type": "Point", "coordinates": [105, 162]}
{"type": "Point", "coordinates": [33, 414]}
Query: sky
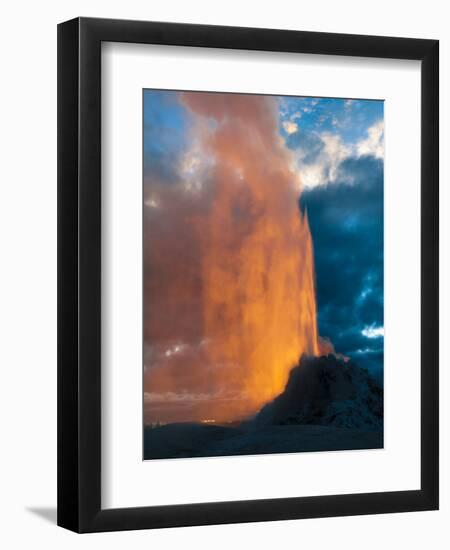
{"type": "Point", "coordinates": [336, 147]}
{"type": "Point", "coordinates": [339, 145]}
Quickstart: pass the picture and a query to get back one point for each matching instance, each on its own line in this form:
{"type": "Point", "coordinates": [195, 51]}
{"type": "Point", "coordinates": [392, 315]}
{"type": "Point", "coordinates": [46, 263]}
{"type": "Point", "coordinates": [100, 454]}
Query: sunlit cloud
{"type": "Point", "coordinates": [312, 175]}
{"type": "Point", "coordinates": [324, 169]}
{"type": "Point", "coordinates": [290, 127]}
{"type": "Point", "coordinates": [373, 332]}
{"type": "Point", "coordinates": [374, 143]}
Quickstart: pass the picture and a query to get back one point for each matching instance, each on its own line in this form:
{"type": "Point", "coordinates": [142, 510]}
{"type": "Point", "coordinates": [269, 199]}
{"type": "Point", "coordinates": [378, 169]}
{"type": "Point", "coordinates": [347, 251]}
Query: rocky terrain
{"type": "Point", "coordinates": [327, 391]}
{"type": "Point", "coordinates": [328, 404]}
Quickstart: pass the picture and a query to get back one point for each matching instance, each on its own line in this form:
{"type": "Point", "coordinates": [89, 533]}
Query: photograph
{"type": "Point", "coordinates": [263, 274]}
{"type": "Point", "coordinates": [225, 274]}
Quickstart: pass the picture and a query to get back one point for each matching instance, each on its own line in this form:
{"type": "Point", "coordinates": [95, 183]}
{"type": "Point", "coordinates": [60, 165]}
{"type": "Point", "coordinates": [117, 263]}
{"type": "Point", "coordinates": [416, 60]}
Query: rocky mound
{"type": "Point", "coordinates": [326, 391]}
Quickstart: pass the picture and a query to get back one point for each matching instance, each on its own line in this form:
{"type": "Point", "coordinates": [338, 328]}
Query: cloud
{"type": "Point", "coordinates": [373, 332]}
{"type": "Point", "coordinates": [374, 143]}
{"type": "Point", "coordinates": [290, 127]}
{"type": "Point", "coordinates": [318, 156]}
{"type": "Point", "coordinates": [307, 146]}
{"type": "Point", "coordinates": [346, 219]}
{"type": "Point", "coordinates": [312, 175]}
{"type": "Point", "coordinates": [335, 151]}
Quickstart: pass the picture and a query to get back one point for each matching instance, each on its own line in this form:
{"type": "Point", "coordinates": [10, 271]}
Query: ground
{"type": "Point", "coordinates": [196, 440]}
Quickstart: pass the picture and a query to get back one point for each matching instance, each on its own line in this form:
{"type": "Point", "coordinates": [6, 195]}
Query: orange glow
{"type": "Point", "coordinates": [243, 297]}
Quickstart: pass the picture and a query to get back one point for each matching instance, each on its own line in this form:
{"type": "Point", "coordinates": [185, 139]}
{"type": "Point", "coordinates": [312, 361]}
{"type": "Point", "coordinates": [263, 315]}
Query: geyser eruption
{"type": "Point", "coordinates": [230, 300]}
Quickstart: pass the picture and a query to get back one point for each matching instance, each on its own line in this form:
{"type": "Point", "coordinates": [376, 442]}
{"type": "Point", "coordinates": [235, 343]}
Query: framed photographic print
{"type": "Point", "coordinates": [248, 275]}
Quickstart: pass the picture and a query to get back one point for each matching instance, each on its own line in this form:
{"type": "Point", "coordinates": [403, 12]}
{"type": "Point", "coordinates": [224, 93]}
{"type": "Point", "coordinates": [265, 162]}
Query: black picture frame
{"type": "Point", "coordinates": [79, 274]}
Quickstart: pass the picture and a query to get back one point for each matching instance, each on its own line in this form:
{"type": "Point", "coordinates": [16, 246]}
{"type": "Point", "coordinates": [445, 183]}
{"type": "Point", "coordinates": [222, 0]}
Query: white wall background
{"type": "Point", "coordinates": [28, 272]}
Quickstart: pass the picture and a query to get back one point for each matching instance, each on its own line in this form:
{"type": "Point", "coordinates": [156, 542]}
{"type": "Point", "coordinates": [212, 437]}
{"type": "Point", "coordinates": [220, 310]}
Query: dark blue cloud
{"type": "Point", "coordinates": [346, 219]}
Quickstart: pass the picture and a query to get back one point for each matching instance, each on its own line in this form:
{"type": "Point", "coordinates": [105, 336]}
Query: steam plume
{"type": "Point", "coordinates": [229, 271]}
